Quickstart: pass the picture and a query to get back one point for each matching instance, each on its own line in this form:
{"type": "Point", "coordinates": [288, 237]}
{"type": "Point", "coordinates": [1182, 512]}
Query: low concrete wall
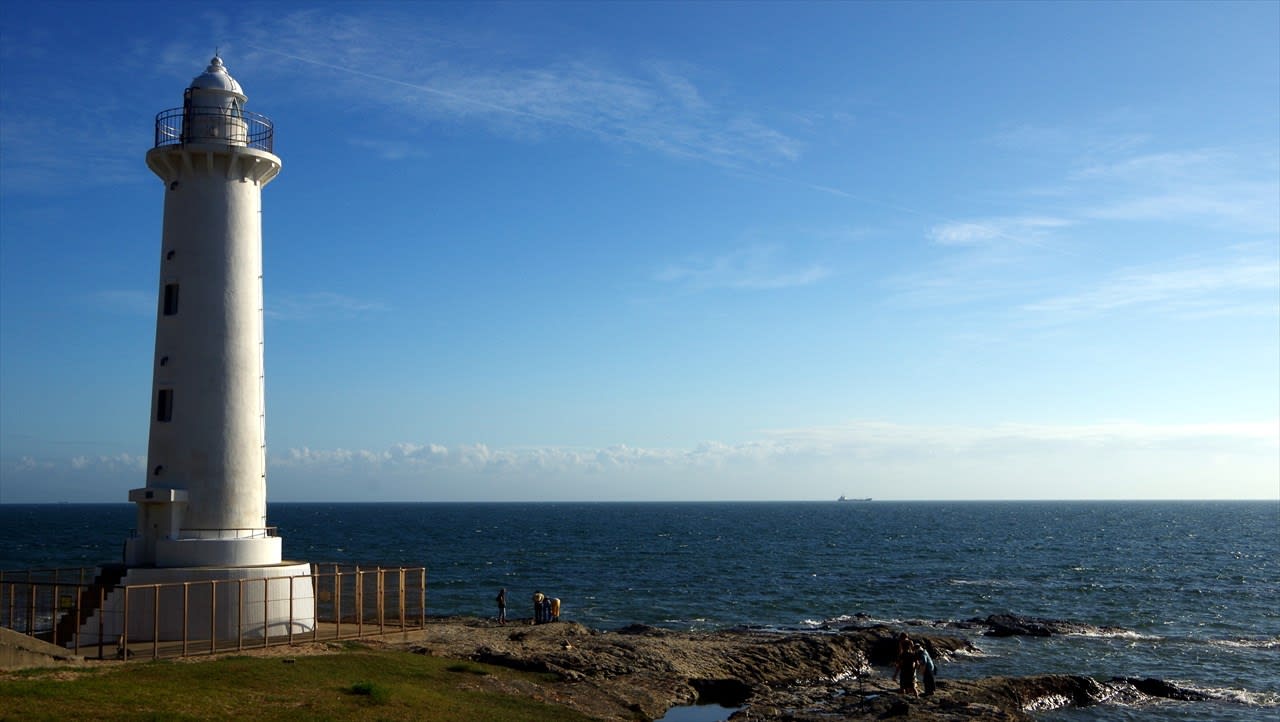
{"type": "Point", "coordinates": [18, 651]}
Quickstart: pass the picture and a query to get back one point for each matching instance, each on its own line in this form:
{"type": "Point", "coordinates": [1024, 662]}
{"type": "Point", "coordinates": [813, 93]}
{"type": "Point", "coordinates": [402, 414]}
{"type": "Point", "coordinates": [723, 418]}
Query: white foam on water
{"type": "Point", "coordinates": [1046, 703]}
{"type": "Point", "coordinates": [1115, 634]}
{"type": "Point", "coordinates": [1245, 697]}
{"type": "Point", "coordinates": [982, 582]}
{"type": "Point", "coordinates": [1271, 643]}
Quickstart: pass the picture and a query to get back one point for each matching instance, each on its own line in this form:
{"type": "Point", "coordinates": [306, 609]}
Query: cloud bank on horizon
{"type": "Point", "coordinates": [1114, 460]}
{"type": "Point", "coordinates": [708, 251]}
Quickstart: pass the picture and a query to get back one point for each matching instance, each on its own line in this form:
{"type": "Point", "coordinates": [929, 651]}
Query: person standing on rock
{"type": "Point", "coordinates": [927, 669]}
{"type": "Point", "coordinates": [502, 606]}
{"type": "Point", "coordinates": [538, 597]}
{"type": "Point", "coordinates": [905, 668]}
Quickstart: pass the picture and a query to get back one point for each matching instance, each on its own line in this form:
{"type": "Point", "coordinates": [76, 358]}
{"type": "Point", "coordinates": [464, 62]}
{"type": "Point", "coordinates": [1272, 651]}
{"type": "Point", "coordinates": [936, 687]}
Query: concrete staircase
{"type": "Point", "coordinates": [109, 576]}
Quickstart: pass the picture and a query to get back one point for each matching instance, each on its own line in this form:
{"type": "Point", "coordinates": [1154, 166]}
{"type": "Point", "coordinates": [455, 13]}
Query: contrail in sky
{"type": "Point", "coordinates": [674, 150]}
{"type": "Point", "coordinates": [406, 84]}
{"type": "Point", "coordinates": [454, 96]}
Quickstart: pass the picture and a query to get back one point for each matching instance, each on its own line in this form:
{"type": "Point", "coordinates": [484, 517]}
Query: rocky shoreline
{"type": "Point", "coordinates": [640, 672]}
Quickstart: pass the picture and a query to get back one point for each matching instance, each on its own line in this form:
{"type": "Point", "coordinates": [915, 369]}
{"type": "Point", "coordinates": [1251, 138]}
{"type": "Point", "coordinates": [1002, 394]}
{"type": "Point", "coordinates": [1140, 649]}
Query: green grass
{"type": "Point", "coordinates": [355, 684]}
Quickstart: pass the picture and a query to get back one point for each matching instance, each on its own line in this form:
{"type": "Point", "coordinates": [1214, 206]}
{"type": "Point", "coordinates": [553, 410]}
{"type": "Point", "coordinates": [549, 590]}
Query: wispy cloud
{"type": "Point", "coordinates": [43, 147]}
{"type": "Point", "coordinates": [1192, 288]}
{"type": "Point", "coordinates": [1248, 206]}
{"type": "Point", "coordinates": [107, 464]}
{"type": "Point", "coordinates": [751, 268]}
{"type": "Point", "coordinates": [1118, 174]}
{"type": "Point", "coordinates": [990, 271]}
{"type": "Point", "coordinates": [381, 59]}
{"type": "Point", "coordinates": [1148, 167]}
{"type": "Point", "coordinates": [1085, 143]}
{"type": "Point", "coordinates": [50, 135]}
{"type": "Point", "coordinates": [320, 304]}
{"type": "Point", "coordinates": [1022, 229]}
{"type": "Point", "coordinates": [388, 62]}
{"type": "Point", "coordinates": [390, 149]}
{"type": "Point", "coordinates": [1212, 186]}
{"type": "Point", "coordinates": [1110, 190]}
{"type": "Point", "coordinates": [886, 436]}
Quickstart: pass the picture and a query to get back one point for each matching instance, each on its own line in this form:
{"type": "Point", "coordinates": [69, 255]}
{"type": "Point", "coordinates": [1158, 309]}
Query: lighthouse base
{"type": "Point", "coordinates": [190, 550]}
{"type": "Point", "coordinates": [202, 603]}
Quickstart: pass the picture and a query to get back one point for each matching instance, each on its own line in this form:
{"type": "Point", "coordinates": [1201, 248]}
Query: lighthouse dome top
{"type": "Point", "coordinates": [216, 78]}
{"type": "Point", "coordinates": [213, 113]}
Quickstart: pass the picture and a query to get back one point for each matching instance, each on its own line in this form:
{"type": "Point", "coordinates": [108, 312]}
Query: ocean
{"type": "Point", "coordinates": [1194, 585]}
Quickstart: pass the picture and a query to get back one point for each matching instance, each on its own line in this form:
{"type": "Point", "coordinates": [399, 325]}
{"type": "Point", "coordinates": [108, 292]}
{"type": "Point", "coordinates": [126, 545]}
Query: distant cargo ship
{"type": "Point", "coordinates": [844, 498]}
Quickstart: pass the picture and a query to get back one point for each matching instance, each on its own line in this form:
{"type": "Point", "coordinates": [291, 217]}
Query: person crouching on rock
{"type": "Point", "coordinates": [538, 598]}
{"type": "Point", "coordinates": [905, 669]}
{"type": "Point", "coordinates": [927, 668]}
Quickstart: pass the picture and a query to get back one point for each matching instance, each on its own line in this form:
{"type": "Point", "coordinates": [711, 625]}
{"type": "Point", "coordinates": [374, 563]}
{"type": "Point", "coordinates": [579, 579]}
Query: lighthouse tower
{"type": "Point", "coordinates": [205, 501]}
{"type": "Point", "coordinates": [202, 516]}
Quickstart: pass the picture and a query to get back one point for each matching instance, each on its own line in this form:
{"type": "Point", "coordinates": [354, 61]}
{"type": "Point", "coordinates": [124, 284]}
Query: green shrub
{"type": "Point", "coordinates": [469, 669]}
{"type": "Point", "coordinates": [376, 693]}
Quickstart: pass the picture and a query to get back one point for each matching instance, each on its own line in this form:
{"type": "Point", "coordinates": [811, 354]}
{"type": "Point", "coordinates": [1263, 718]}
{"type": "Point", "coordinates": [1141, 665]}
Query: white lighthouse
{"type": "Point", "coordinates": [205, 501]}
{"type": "Point", "coordinates": [203, 513]}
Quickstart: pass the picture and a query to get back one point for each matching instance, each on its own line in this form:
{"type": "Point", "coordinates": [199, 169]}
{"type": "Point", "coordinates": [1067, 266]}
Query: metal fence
{"type": "Point", "coordinates": [347, 602]}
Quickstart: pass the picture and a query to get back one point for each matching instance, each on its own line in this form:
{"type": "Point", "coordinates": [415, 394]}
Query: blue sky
{"type": "Point", "coordinates": [677, 251]}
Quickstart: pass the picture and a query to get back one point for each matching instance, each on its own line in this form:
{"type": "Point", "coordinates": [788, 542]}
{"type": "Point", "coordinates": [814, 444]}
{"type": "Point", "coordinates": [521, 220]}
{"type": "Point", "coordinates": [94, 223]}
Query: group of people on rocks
{"type": "Point", "coordinates": [912, 658]}
{"type": "Point", "coordinates": [545, 608]}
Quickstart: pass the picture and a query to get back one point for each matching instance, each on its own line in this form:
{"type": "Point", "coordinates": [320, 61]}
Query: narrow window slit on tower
{"type": "Point", "coordinates": [164, 405]}
{"type": "Point", "coordinates": [170, 299]}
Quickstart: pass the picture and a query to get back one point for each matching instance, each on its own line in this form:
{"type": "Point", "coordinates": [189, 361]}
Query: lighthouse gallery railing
{"type": "Point", "coordinates": [214, 126]}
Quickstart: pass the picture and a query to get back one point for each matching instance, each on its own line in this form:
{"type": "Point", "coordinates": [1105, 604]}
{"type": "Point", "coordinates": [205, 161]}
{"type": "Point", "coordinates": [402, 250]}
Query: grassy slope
{"type": "Point", "coordinates": [356, 684]}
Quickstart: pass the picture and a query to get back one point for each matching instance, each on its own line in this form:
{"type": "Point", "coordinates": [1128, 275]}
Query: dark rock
{"type": "Point", "coordinates": [1034, 694]}
{"type": "Point", "coordinates": [897, 708]}
{"type": "Point", "coordinates": [1009, 625]}
{"type": "Point", "coordinates": [643, 630]}
{"type": "Point", "coordinates": [724, 692]}
{"type": "Point", "coordinates": [881, 644]}
{"type": "Point", "coordinates": [1167, 690]}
